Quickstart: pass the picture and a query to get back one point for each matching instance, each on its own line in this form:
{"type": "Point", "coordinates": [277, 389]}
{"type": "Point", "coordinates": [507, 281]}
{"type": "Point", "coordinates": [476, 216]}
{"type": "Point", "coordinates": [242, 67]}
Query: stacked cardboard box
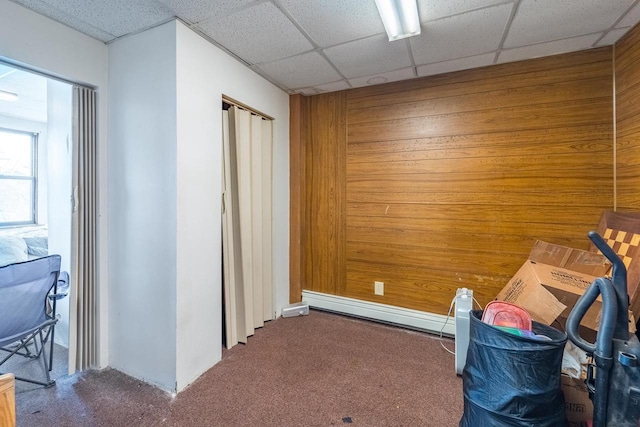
{"type": "Point", "coordinates": [550, 282]}
{"type": "Point", "coordinates": [548, 285]}
{"type": "Point", "coordinates": [578, 407]}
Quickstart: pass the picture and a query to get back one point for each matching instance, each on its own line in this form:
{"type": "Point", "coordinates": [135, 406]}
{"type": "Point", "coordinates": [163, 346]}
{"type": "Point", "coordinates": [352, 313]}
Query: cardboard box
{"type": "Point", "coordinates": [572, 259]}
{"type": "Point", "coordinates": [550, 282]}
{"type": "Point", "coordinates": [578, 406]}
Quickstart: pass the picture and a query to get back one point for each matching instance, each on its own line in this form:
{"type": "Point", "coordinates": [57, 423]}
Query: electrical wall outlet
{"type": "Point", "coordinates": [378, 288]}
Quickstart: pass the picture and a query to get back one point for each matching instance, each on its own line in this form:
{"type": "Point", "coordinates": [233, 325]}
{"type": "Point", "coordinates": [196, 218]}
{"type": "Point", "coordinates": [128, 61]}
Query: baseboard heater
{"type": "Point", "coordinates": [405, 317]}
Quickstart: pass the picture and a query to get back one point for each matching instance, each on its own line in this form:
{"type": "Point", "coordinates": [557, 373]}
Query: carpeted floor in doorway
{"type": "Point", "coordinates": [320, 370]}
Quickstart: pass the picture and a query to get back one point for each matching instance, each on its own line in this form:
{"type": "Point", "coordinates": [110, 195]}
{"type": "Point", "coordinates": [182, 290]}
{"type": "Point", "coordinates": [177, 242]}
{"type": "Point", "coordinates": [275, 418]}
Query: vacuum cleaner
{"type": "Point", "coordinates": [613, 380]}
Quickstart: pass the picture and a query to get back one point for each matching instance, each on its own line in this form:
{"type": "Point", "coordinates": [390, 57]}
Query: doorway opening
{"type": "Point", "coordinates": [36, 179]}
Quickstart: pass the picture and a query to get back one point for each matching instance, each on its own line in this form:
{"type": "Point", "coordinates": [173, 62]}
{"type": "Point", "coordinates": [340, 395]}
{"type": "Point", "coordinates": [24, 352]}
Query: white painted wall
{"type": "Point", "coordinates": [165, 139]}
{"type": "Point", "coordinates": [59, 170]}
{"type": "Point", "coordinates": [142, 201]}
{"type": "Point", "coordinates": [165, 132]}
{"type": "Point", "coordinates": [204, 74]}
{"type": "Point", "coordinates": [31, 40]}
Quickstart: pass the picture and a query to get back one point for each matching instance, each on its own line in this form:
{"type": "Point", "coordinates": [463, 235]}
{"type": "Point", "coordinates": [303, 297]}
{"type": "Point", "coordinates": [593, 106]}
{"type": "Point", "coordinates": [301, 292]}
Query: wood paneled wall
{"type": "Point", "coordinates": [433, 184]}
{"type": "Point", "coordinates": [627, 69]}
{"type": "Point", "coordinates": [318, 144]}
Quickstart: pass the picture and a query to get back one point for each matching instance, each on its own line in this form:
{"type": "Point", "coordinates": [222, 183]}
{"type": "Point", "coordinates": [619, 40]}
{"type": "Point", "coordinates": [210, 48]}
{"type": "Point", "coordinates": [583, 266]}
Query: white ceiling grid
{"type": "Point", "coordinates": [313, 46]}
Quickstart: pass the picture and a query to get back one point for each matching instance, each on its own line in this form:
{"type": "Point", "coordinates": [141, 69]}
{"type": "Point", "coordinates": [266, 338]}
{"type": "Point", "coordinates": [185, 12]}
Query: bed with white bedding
{"type": "Point", "coordinates": [18, 244]}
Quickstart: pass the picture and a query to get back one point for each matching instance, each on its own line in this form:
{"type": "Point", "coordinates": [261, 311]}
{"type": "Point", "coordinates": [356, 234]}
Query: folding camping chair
{"type": "Point", "coordinates": [26, 316]}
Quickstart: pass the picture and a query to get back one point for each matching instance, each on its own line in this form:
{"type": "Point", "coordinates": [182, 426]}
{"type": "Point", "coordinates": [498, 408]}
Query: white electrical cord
{"type": "Point", "coordinates": [453, 301]}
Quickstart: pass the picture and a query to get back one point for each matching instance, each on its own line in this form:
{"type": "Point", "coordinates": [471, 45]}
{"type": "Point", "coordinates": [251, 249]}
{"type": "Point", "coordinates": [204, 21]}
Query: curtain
{"type": "Point", "coordinates": [83, 304]}
{"type": "Point", "coordinates": [247, 221]}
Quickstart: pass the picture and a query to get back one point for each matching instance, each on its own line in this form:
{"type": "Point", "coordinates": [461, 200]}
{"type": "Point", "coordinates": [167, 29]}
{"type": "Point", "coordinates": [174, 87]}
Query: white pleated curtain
{"type": "Point", "coordinates": [247, 256]}
{"type": "Point", "coordinates": [83, 305]}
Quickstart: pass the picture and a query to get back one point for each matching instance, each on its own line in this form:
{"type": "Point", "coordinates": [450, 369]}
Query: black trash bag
{"type": "Point", "coordinates": [510, 380]}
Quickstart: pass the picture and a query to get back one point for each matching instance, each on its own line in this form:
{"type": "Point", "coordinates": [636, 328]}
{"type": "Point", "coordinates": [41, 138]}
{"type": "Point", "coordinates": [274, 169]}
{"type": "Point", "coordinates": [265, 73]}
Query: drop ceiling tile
{"type": "Point", "coordinates": [308, 69]}
{"type": "Point", "coordinates": [612, 36]}
{"type": "Point", "coordinates": [332, 87]}
{"type": "Point", "coordinates": [631, 18]}
{"type": "Point", "coordinates": [261, 33]}
{"type": "Point", "coordinates": [546, 20]}
{"type": "Point", "coordinates": [66, 19]}
{"type": "Point", "coordinates": [456, 64]}
{"type": "Point", "coordinates": [330, 22]}
{"type": "Point", "coordinates": [117, 17]}
{"type": "Point", "coordinates": [195, 11]}
{"type": "Point", "coordinates": [549, 48]}
{"type": "Point", "coordinates": [368, 56]}
{"type": "Point", "coordinates": [430, 9]}
{"type": "Point", "coordinates": [307, 91]}
{"type": "Point", "coordinates": [392, 76]}
{"type": "Point", "coordinates": [461, 35]}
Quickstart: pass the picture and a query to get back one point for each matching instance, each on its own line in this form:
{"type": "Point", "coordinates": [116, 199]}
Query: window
{"type": "Point", "coordinates": [17, 177]}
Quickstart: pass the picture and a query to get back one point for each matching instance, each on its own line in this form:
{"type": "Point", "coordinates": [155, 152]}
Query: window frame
{"type": "Point", "coordinates": [33, 178]}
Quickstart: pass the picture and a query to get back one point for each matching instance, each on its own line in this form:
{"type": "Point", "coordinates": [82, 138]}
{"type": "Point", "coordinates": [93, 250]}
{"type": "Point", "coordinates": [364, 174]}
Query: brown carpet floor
{"type": "Point", "coordinates": [319, 370]}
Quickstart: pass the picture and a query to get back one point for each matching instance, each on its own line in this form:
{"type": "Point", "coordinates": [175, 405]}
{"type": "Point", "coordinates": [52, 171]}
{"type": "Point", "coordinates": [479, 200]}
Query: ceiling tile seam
{"type": "Point", "coordinates": [613, 26]}
{"type": "Point", "coordinates": [602, 36]}
{"type": "Point", "coordinates": [457, 59]}
{"type": "Point", "coordinates": [370, 76]}
{"type": "Point", "coordinates": [230, 12]}
{"type": "Point", "coordinates": [62, 12]}
{"type": "Point", "coordinates": [300, 28]}
{"type": "Point", "coordinates": [452, 15]}
{"type": "Point", "coordinates": [321, 84]}
{"type": "Point", "coordinates": [258, 64]}
{"type": "Point", "coordinates": [150, 27]}
{"type": "Point", "coordinates": [273, 82]}
{"type": "Point", "coordinates": [413, 61]}
{"type": "Point", "coordinates": [553, 41]}
{"type": "Point", "coordinates": [356, 40]}
{"type": "Point", "coordinates": [514, 12]}
{"type": "Point", "coordinates": [256, 70]}
{"type": "Point", "coordinates": [353, 78]}
{"type": "Point", "coordinates": [626, 12]}
{"type": "Point", "coordinates": [208, 38]}
{"type": "Point", "coordinates": [326, 58]}
{"type": "Point", "coordinates": [319, 49]}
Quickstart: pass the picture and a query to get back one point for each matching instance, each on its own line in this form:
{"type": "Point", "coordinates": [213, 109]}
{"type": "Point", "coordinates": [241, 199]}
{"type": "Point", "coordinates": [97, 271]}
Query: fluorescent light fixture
{"type": "Point", "coordinates": [400, 18]}
{"type": "Point", "coordinates": [8, 96]}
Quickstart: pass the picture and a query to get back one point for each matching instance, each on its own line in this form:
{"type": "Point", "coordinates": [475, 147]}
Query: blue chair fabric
{"type": "Point", "coordinates": [26, 318]}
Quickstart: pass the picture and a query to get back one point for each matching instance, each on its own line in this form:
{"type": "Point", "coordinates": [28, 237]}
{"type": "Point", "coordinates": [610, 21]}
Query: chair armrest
{"type": "Point", "coordinates": [57, 296]}
{"type": "Point", "coordinates": [62, 287]}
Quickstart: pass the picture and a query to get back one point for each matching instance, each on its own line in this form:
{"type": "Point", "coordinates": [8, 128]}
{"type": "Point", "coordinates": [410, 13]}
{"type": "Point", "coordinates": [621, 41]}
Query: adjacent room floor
{"type": "Point", "coordinates": [320, 370]}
